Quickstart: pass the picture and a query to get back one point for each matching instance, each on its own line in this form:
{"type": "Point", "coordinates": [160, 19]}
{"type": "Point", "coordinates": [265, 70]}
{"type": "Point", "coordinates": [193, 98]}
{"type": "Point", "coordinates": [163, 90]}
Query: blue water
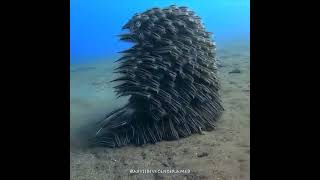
{"type": "Point", "coordinates": [95, 24]}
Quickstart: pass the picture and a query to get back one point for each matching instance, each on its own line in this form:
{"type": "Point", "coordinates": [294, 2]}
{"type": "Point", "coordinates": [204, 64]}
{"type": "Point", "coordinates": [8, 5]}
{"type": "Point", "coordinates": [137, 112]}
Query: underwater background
{"type": "Point", "coordinates": [222, 154]}
{"type": "Point", "coordinates": [95, 24]}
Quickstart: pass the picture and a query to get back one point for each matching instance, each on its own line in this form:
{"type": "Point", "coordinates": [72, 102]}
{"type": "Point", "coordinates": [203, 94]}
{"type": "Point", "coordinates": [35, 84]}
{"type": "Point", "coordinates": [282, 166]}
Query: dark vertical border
{"type": "Point", "coordinates": [35, 120]}
{"type": "Point", "coordinates": [282, 138]}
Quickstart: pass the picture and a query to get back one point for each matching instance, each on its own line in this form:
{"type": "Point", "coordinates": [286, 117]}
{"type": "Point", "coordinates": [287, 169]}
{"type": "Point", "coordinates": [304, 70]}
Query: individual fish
{"type": "Point", "coordinates": [153, 137]}
{"type": "Point", "coordinates": [147, 45]}
{"type": "Point", "coordinates": [144, 18]}
{"type": "Point", "coordinates": [167, 22]}
{"type": "Point", "coordinates": [173, 130]}
{"type": "Point", "coordinates": [166, 41]}
{"type": "Point", "coordinates": [179, 22]}
{"type": "Point", "coordinates": [173, 7]}
{"type": "Point", "coordinates": [146, 58]}
{"type": "Point", "coordinates": [126, 58]}
{"type": "Point", "coordinates": [189, 30]}
{"type": "Point", "coordinates": [156, 102]}
{"type": "Point", "coordinates": [129, 51]}
{"type": "Point", "coordinates": [160, 29]}
{"type": "Point", "coordinates": [187, 40]}
{"type": "Point", "coordinates": [127, 25]}
{"type": "Point", "coordinates": [154, 18]}
{"type": "Point", "coordinates": [184, 8]}
{"type": "Point", "coordinates": [146, 31]}
{"type": "Point", "coordinates": [127, 37]}
{"type": "Point", "coordinates": [155, 36]}
{"type": "Point", "coordinates": [137, 24]}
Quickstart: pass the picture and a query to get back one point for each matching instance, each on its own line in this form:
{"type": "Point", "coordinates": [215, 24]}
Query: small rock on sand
{"type": "Point", "coordinates": [203, 154]}
{"type": "Point", "coordinates": [165, 164]}
{"type": "Point", "coordinates": [235, 71]}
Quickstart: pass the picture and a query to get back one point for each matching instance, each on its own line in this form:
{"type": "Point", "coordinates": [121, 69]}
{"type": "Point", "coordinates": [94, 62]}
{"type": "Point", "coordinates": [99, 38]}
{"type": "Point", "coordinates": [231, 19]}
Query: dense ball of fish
{"type": "Point", "coordinates": [170, 75]}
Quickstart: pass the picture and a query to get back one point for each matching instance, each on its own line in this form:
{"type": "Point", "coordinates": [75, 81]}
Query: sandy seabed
{"type": "Point", "coordinates": [222, 154]}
